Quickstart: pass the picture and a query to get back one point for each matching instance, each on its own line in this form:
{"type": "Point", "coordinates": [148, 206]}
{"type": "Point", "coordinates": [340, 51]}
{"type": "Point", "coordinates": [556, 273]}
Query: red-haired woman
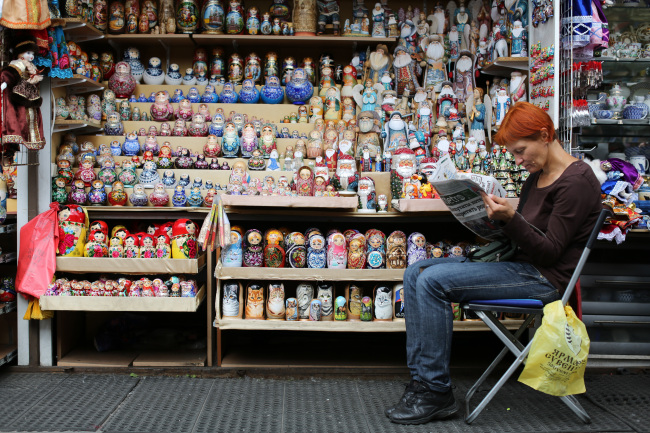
{"type": "Point", "coordinates": [563, 202]}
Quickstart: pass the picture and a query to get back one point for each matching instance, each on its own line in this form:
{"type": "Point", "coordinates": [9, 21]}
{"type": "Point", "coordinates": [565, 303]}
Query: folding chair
{"type": "Point", "coordinates": [531, 308]}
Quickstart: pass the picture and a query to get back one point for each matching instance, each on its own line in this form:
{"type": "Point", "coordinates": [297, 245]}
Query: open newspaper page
{"type": "Point", "coordinates": [461, 192]}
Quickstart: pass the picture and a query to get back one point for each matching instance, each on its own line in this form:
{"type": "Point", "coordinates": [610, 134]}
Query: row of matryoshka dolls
{"type": "Point", "coordinates": [278, 248]}
{"type": "Point", "coordinates": [77, 238]}
{"type": "Point", "coordinates": [174, 287]}
{"type": "Point", "coordinates": [312, 303]}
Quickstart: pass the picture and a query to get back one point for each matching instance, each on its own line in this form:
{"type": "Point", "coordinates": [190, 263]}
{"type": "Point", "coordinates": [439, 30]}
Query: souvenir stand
{"type": "Point", "coordinates": [609, 121]}
{"type": "Point", "coordinates": [285, 175]}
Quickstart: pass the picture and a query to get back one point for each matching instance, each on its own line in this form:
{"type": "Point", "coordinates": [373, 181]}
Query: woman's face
{"type": "Point", "coordinates": [531, 154]}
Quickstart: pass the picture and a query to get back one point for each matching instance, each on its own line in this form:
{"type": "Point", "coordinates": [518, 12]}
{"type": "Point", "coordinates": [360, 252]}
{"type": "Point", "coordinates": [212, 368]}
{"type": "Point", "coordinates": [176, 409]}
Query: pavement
{"type": "Point", "coordinates": [82, 402]}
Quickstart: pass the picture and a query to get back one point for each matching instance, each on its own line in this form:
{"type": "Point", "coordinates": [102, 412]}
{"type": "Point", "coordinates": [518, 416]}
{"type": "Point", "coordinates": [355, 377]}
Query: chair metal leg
{"type": "Point", "coordinates": [577, 408]}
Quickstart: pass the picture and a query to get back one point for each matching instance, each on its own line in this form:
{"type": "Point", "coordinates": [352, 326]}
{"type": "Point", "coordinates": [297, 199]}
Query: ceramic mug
{"type": "Point", "coordinates": [618, 155]}
{"type": "Point", "coordinates": [640, 162]}
{"type": "Point", "coordinates": [635, 112]}
{"type": "Point", "coordinates": [635, 49]}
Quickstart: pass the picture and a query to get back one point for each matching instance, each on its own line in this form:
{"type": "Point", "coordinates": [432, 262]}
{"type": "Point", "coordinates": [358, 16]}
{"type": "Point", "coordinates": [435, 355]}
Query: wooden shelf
{"type": "Point", "coordinates": [69, 125]}
{"type": "Point", "coordinates": [433, 205]}
{"type": "Point", "coordinates": [115, 303]}
{"type": "Point", "coordinates": [308, 274]}
{"type": "Point", "coordinates": [329, 41]}
{"type": "Point", "coordinates": [130, 266]}
{"type": "Point", "coordinates": [78, 30]}
{"type": "Point", "coordinates": [8, 353]}
{"type": "Point", "coordinates": [90, 357]}
{"type": "Point", "coordinates": [175, 40]}
{"type": "Point", "coordinates": [8, 228]}
{"type": "Point", "coordinates": [344, 326]}
{"type": "Point", "coordinates": [290, 202]}
{"type": "Point", "coordinates": [503, 66]}
{"type": "Point", "coordinates": [78, 84]}
{"type": "Point", "coordinates": [7, 307]}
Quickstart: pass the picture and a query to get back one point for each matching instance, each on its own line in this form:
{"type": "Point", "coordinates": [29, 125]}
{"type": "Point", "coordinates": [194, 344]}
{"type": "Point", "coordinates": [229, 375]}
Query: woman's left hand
{"type": "Point", "coordinates": [498, 208]}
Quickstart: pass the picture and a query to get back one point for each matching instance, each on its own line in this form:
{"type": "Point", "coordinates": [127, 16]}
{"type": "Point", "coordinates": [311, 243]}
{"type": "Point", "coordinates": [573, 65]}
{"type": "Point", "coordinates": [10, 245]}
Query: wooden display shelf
{"type": "Point", "coordinates": [168, 39]}
{"type": "Point", "coordinates": [290, 41]}
{"type": "Point", "coordinates": [433, 205]}
{"type": "Point", "coordinates": [130, 266]}
{"type": "Point", "coordinates": [115, 303]}
{"type": "Point", "coordinates": [79, 30]}
{"type": "Point", "coordinates": [290, 202]}
{"type": "Point", "coordinates": [503, 66]}
{"type": "Point", "coordinates": [7, 307]}
{"type": "Point", "coordinates": [78, 84]}
{"type": "Point", "coordinates": [8, 353]}
{"type": "Point", "coordinates": [90, 357]}
{"type": "Point", "coordinates": [300, 127]}
{"type": "Point", "coordinates": [8, 228]}
{"type": "Point", "coordinates": [69, 125]}
{"type": "Point", "coordinates": [307, 274]}
{"type": "Point", "coordinates": [344, 326]}
{"type": "Point", "coordinates": [8, 257]}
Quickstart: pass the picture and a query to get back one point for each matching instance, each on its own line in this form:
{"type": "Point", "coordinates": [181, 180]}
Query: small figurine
{"type": "Point", "coordinates": [162, 109]}
{"type": "Point", "coordinates": [179, 199]}
{"type": "Point", "coordinates": [366, 195]}
{"type": "Point", "coordinates": [366, 309]}
{"type": "Point", "coordinates": [305, 182]}
{"type": "Point", "coordinates": [375, 249]}
{"type": "Point", "coordinates": [275, 306]}
{"type": "Point", "coordinates": [138, 197]}
{"type": "Point", "coordinates": [149, 175]}
{"type": "Point", "coordinates": [122, 82]}
{"type": "Point", "coordinates": [159, 196]}
{"type": "Point", "coordinates": [337, 256]}
{"type": "Point", "coordinates": [230, 142]}
{"type": "Point", "coordinates": [253, 252]}
{"type": "Point", "coordinates": [383, 303]}
{"type": "Point", "coordinates": [249, 93]}
{"type": "Point", "coordinates": [315, 310]}
{"type": "Point", "coordinates": [231, 300]}
{"type": "Point", "coordinates": [231, 255]}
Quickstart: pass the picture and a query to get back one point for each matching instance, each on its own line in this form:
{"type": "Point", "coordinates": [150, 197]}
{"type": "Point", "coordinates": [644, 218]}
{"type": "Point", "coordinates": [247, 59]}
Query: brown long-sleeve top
{"type": "Point", "coordinates": [565, 212]}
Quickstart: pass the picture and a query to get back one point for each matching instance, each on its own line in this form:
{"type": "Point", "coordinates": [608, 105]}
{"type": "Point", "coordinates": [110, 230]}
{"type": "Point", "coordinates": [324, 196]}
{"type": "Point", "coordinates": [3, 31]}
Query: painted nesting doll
{"type": "Point", "coordinates": [274, 254]}
{"type": "Point", "coordinates": [163, 246]}
{"type": "Point", "coordinates": [72, 231]}
{"type": "Point", "coordinates": [383, 303]}
{"type": "Point", "coordinates": [357, 251]}
{"type": "Point", "coordinates": [304, 294]}
{"type": "Point", "coordinates": [337, 254]}
{"type": "Point", "coordinates": [325, 295]}
{"type": "Point", "coordinates": [253, 254]}
{"type": "Point", "coordinates": [275, 307]}
{"type": "Point", "coordinates": [316, 252]}
{"type": "Point", "coordinates": [295, 250]}
{"type": "Point", "coordinates": [315, 310]}
{"type": "Point", "coordinates": [131, 247]}
{"type": "Point", "coordinates": [232, 256]}
{"type": "Point", "coordinates": [231, 304]}
{"type": "Point", "coordinates": [375, 249]}
{"type": "Point", "coordinates": [366, 309]}
{"type": "Point", "coordinates": [96, 246]}
{"type": "Point", "coordinates": [147, 247]}
{"type": "Point", "coordinates": [305, 182]}
{"type": "Point", "coordinates": [184, 244]}
{"type": "Point", "coordinates": [354, 295]}
{"type": "Point", "coordinates": [416, 248]}
{"type": "Point", "coordinates": [398, 313]}
{"type": "Point", "coordinates": [396, 250]}
{"type": "Point", "coordinates": [291, 309]}
{"type": "Point", "coordinates": [255, 302]}
{"type": "Point", "coordinates": [340, 309]}
{"type": "Point", "coordinates": [116, 249]}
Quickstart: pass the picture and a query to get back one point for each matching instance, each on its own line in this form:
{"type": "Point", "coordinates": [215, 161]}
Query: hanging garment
{"type": "Point", "coordinates": [25, 14]}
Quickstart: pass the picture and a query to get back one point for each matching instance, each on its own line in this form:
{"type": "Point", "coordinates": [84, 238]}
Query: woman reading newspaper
{"type": "Point", "coordinates": [563, 202]}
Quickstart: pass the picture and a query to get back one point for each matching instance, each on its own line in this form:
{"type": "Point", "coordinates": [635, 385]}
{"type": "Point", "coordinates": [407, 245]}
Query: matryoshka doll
{"type": "Point", "coordinates": [316, 252]}
{"type": "Point", "coordinates": [304, 295]}
{"type": "Point", "coordinates": [375, 249]}
{"type": "Point", "coordinates": [127, 176]}
{"type": "Point", "coordinates": [72, 231]}
{"type": "Point", "coordinates": [295, 250]}
{"type": "Point", "coordinates": [337, 255]}
{"type": "Point", "coordinates": [340, 309]}
{"type": "Point", "coordinates": [274, 253]}
{"type": "Point", "coordinates": [235, 69]}
{"type": "Point", "coordinates": [416, 248]}
{"type": "Point", "coordinates": [383, 303]}
{"type": "Point", "coordinates": [232, 300]}
{"type": "Point", "coordinates": [184, 244]}
{"type": "Point", "coordinates": [107, 174]}
{"type": "Point", "coordinates": [230, 141]}
{"type": "Point", "coordinates": [398, 305]}
{"type": "Point", "coordinates": [325, 294]}
{"type": "Point", "coordinates": [357, 252]}
{"type": "Point", "coordinates": [96, 246]}
{"type": "Point", "coordinates": [235, 18]}
{"type": "Point", "coordinates": [291, 310]}
{"type": "Point", "coordinates": [255, 302]}
{"type": "Point", "coordinates": [163, 247]}
{"type": "Point", "coordinates": [97, 194]}
{"type": "Point", "coordinates": [59, 193]}
{"type": "Point", "coordinates": [86, 172]}
{"type": "Point", "coordinates": [116, 248]}
{"type": "Point", "coordinates": [131, 247]}
{"type": "Point", "coordinates": [64, 171]}
{"type": "Point", "coordinates": [305, 182]}
{"type": "Point", "coordinates": [249, 141]}
{"type": "Point", "coordinates": [232, 256]}
{"type": "Point", "coordinates": [147, 248]}
{"type": "Point", "coordinates": [315, 310]}
{"type": "Point", "coordinates": [366, 309]}
{"type": "Point", "coordinates": [253, 253]}
{"type": "Point", "coordinates": [212, 148]}
{"type": "Point", "coordinates": [101, 226]}
{"type": "Point", "coordinates": [275, 307]}
{"type": "Point", "coordinates": [396, 250]}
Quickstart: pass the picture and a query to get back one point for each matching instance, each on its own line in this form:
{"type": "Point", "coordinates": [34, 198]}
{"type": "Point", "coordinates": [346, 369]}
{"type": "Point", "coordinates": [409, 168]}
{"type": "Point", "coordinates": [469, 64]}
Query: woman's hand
{"type": "Point", "coordinates": [498, 208]}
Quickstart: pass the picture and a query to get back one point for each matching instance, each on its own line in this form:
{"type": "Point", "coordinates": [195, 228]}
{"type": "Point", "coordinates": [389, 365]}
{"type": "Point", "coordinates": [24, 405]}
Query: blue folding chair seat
{"type": "Point", "coordinates": [531, 309]}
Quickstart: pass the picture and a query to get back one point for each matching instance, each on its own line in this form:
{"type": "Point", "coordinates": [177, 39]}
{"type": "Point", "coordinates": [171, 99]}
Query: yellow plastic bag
{"type": "Point", "coordinates": [558, 355]}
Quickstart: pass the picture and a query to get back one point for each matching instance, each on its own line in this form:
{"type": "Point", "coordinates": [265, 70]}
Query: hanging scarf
{"type": "Point", "coordinates": [579, 23]}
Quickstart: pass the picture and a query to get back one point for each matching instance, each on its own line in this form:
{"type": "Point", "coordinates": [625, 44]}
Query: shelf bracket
{"type": "Point", "coordinates": [167, 51]}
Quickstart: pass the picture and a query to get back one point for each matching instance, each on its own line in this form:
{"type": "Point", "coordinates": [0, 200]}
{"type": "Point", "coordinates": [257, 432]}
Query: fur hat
{"type": "Point", "coordinates": [25, 43]}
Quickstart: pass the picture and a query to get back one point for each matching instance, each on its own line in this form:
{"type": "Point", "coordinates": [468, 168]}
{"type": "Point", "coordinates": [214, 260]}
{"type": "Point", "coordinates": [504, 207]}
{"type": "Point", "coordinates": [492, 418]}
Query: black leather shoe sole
{"type": "Point", "coordinates": [438, 414]}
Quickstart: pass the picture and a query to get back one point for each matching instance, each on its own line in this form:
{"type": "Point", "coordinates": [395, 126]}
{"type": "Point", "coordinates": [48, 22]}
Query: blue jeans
{"type": "Point", "coordinates": [430, 286]}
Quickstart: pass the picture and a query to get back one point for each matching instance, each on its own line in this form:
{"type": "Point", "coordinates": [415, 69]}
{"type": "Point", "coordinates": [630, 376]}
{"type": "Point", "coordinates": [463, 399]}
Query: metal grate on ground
{"type": "Point", "coordinates": [161, 404]}
{"type": "Point", "coordinates": [20, 391]}
{"type": "Point", "coordinates": [242, 405]}
{"type": "Point", "coordinates": [78, 403]}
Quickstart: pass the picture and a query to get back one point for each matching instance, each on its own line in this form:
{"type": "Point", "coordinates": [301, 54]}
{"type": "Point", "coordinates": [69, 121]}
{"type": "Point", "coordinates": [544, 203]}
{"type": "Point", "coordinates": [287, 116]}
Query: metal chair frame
{"type": "Point", "coordinates": [511, 339]}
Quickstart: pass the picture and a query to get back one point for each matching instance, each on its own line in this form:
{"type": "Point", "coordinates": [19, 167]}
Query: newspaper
{"type": "Point", "coordinates": [461, 192]}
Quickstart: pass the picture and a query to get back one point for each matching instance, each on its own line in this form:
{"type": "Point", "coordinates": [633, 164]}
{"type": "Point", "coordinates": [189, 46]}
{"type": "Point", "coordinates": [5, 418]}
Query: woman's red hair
{"type": "Point", "coordinates": [524, 121]}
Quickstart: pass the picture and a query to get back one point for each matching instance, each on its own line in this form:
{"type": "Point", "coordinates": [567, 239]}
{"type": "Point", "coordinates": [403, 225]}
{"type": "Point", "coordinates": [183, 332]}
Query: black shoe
{"type": "Point", "coordinates": [425, 406]}
{"type": "Point", "coordinates": [411, 388]}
